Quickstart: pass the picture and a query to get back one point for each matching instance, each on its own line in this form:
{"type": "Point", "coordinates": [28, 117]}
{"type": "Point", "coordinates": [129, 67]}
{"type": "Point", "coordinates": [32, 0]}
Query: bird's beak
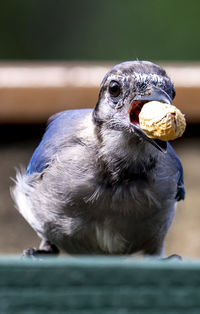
{"type": "Point", "coordinates": [156, 94]}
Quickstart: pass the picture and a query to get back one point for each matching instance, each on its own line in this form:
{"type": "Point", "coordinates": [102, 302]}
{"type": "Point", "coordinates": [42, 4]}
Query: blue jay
{"type": "Point", "coordinates": [96, 184]}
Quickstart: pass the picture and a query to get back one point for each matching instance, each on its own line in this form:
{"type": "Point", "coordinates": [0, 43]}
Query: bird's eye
{"type": "Point", "coordinates": [114, 88]}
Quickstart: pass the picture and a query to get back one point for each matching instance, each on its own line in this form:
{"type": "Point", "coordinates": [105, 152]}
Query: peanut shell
{"type": "Point", "coordinates": [162, 121]}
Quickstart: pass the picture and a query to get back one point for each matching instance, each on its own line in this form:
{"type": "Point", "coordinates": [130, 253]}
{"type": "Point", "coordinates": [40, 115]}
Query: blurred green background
{"type": "Point", "coordinates": [99, 30]}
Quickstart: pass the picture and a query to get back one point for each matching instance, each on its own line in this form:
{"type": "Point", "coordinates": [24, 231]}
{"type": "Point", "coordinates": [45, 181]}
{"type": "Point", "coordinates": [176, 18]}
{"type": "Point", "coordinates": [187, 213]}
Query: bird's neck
{"type": "Point", "coordinates": [125, 157]}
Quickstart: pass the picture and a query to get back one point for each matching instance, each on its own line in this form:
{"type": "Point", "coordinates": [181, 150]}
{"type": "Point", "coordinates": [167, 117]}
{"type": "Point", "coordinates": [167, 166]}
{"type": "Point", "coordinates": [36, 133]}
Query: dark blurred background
{"type": "Point", "coordinates": [37, 34]}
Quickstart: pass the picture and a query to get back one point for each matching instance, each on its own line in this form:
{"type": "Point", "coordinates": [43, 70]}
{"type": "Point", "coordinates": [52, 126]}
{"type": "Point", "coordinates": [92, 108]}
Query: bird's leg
{"type": "Point", "coordinates": [155, 248]}
{"type": "Point", "coordinates": [158, 251]}
{"type": "Point", "coordinates": [46, 248]}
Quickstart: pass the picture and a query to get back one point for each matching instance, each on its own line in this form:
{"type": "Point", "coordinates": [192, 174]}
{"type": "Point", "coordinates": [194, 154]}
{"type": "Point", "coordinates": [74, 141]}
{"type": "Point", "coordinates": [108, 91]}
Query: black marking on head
{"type": "Point", "coordinates": [145, 73]}
{"type": "Point", "coordinates": [130, 67]}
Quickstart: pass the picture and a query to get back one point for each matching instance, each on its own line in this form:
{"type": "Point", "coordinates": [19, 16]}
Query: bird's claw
{"type": "Point", "coordinates": [173, 257]}
{"type": "Point", "coordinates": [46, 249]}
{"type": "Point", "coordinates": [30, 253]}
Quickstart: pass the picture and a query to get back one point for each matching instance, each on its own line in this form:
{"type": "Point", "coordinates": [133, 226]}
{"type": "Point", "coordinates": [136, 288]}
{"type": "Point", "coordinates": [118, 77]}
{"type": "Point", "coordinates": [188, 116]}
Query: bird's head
{"type": "Point", "coordinates": [125, 89]}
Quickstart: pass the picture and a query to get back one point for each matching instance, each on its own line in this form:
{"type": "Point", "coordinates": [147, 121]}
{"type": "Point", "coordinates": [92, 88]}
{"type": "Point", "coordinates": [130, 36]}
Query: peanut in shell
{"type": "Point", "coordinates": [162, 121]}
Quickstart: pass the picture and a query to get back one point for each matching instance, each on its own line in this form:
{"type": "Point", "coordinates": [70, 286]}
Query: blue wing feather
{"type": "Point", "coordinates": [180, 184]}
{"type": "Point", "coordinates": [59, 125]}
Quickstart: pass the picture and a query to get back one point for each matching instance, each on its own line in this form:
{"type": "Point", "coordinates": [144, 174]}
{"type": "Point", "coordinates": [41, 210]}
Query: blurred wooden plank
{"type": "Point", "coordinates": [99, 285]}
{"type": "Point", "coordinates": [35, 105]}
{"type": "Point", "coordinates": [30, 93]}
{"type": "Point", "coordinates": [186, 79]}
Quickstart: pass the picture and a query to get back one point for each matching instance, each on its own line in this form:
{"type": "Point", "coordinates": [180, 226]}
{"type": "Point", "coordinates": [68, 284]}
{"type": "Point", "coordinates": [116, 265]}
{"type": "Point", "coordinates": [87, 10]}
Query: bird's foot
{"type": "Point", "coordinates": [173, 257]}
{"type": "Point", "coordinates": [46, 249]}
{"type": "Point", "coordinates": [31, 253]}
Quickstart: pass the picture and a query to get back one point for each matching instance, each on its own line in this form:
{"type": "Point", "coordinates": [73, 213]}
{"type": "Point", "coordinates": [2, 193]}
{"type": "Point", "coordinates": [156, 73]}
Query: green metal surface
{"type": "Point", "coordinates": [99, 285]}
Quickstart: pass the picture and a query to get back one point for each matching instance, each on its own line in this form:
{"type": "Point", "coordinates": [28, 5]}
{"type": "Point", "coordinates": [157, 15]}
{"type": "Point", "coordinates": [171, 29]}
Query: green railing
{"type": "Point", "coordinates": [99, 285]}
